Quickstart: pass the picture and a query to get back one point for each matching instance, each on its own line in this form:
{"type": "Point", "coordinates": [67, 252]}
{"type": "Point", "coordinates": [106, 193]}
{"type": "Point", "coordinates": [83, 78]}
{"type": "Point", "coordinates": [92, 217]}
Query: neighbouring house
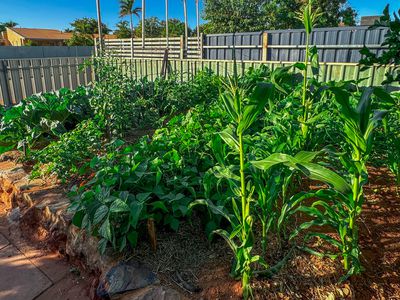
{"type": "Point", "coordinates": [36, 36]}
{"type": "Point", "coordinates": [3, 41]}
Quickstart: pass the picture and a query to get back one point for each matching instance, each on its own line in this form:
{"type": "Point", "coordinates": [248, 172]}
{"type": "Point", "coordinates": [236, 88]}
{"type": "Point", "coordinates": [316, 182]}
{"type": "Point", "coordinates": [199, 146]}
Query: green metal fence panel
{"type": "Point", "coordinates": [185, 69]}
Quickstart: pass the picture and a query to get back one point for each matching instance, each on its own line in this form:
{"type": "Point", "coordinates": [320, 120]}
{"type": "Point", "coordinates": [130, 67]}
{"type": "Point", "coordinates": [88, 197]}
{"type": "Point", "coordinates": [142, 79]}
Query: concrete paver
{"type": "Point", "coordinates": [70, 288]}
{"type": "Point", "coordinates": [20, 279]}
{"type": "Point", "coordinates": [3, 242]}
{"type": "Point", "coordinates": [52, 265]}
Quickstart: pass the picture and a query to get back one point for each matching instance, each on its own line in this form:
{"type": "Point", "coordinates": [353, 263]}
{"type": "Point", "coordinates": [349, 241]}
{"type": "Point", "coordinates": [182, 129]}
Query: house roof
{"type": "Point", "coordinates": [49, 34]}
{"type": "Point", "coordinates": [42, 34]}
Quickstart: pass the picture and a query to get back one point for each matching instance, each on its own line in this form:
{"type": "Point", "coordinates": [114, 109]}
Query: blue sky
{"type": "Point", "coordinates": [59, 13]}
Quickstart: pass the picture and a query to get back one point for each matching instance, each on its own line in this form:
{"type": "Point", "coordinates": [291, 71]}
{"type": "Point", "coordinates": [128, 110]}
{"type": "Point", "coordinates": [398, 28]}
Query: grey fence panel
{"type": "Point", "coordinates": [220, 46]}
{"type": "Point", "coordinates": [21, 78]}
{"type": "Point", "coordinates": [13, 52]}
{"type": "Point", "coordinates": [338, 44]}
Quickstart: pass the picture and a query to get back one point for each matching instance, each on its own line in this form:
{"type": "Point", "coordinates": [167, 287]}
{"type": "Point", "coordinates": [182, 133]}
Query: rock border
{"type": "Point", "coordinates": [41, 212]}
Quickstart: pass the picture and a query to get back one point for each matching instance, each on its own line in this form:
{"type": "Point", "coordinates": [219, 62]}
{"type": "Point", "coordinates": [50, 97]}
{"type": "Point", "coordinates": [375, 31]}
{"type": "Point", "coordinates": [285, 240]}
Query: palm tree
{"type": "Point", "coordinates": [127, 9]}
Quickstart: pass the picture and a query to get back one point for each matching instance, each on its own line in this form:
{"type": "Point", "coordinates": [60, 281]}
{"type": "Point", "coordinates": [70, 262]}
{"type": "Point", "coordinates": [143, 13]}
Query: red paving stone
{"type": "Point", "coordinates": [20, 279]}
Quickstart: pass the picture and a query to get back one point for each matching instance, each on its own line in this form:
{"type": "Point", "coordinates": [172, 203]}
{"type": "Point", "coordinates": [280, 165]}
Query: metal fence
{"type": "Point", "coordinates": [186, 69]}
{"type": "Point", "coordinates": [20, 78]}
{"type": "Point", "coordinates": [339, 44]}
{"type": "Point", "coordinates": [20, 52]}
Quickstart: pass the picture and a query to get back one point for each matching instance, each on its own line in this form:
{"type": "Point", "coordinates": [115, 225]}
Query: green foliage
{"type": "Point", "coordinates": [391, 138]}
{"type": "Point", "coordinates": [42, 118]}
{"type": "Point", "coordinates": [127, 9]}
{"type": "Point", "coordinates": [149, 180]}
{"type": "Point", "coordinates": [258, 15]}
{"type": "Point", "coordinates": [223, 16]}
{"type": "Point", "coordinates": [123, 31]}
{"type": "Point", "coordinates": [309, 17]}
{"type": "Point", "coordinates": [84, 30]}
{"type": "Point", "coordinates": [88, 26]}
{"type": "Point", "coordinates": [80, 39]}
{"type": "Point", "coordinates": [176, 28]}
{"type": "Point", "coordinates": [153, 27]}
{"type": "Point", "coordinates": [9, 24]}
{"type": "Point", "coordinates": [70, 154]}
{"type": "Point", "coordinates": [243, 107]}
{"type": "Point", "coordinates": [123, 103]}
{"type": "Point", "coordinates": [391, 55]}
{"type": "Point", "coordinates": [338, 208]}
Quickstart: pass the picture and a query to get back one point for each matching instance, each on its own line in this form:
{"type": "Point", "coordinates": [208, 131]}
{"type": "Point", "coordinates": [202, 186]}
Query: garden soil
{"type": "Point", "coordinates": [188, 262]}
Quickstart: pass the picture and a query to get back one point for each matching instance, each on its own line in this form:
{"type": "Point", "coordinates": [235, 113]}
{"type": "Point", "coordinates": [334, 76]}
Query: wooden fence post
{"type": "Point", "coordinates": [201, 46]}
{"type": "Point", "coordinates": [264, 46]}
{"type": "Point", "coordinates": [182, 48]}
{"type": "Point", "coordinates": [131, 47]}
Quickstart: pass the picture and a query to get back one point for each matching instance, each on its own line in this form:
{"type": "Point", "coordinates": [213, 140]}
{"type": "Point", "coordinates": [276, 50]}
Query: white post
{"type": "Point", "coordinates": [198, 22]}
{"type": "Point", "coordinates": [186, 23]}
{"type": "Point", "coordinates": [166, 23]}
{"type": "Point", "coordinates": [99, 26]}
{"type": "Point", "coordinates": [143, 20]}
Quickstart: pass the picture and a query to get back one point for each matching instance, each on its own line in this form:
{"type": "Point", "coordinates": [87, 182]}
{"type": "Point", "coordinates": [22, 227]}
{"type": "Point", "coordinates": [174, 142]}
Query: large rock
{"type": "Point", "coordinates": [125, 277]}
{"type": "Point", "coordinates": [84, 247]}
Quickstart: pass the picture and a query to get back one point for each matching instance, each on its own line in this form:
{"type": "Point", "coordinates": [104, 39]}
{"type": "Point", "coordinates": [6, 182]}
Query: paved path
{"type": "Point", "coordinates": [28, 273]}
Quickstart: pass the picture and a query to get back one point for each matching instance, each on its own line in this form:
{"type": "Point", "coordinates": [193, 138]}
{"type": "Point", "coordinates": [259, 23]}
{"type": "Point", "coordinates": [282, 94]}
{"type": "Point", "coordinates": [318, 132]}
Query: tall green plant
{"type": "Point", "coordinates": [243, 112]}
{"type": "Point", "coordinates": [309, 17]}
{"type": "Point", "coordinates": [359, 125]}
{"type": "Point", "coordinates": [336, 208]}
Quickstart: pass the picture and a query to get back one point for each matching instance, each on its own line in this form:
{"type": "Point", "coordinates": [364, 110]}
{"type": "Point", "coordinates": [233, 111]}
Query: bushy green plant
{"type": "Point", "coordinates": [70, 155]}
{"type": "Point", "coordinates": [152, 179]}
{"type": "Point", "coordinates": [42, 118]}
{"type": "Point", "coordinates": [391, 55]}
{"type": "Point", "coordinates": [124, 103]}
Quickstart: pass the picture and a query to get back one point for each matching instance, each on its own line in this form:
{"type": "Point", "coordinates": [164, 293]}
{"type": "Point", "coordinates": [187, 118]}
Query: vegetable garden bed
{"type": "Point", "coordinates": [298, 178]}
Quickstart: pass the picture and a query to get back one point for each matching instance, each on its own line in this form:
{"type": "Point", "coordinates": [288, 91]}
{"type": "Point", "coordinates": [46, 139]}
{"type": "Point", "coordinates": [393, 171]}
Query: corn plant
{"type": "Point", "coordinates": [340, 208]}
{"type": "Point", "coordinates": [243, 112]}
{"type": "Point", "coordinates": [392, 135]}
{"type": "Point", "coordinates": [309, 17]}
{"type": "Point", "coordinates": [359, 125]}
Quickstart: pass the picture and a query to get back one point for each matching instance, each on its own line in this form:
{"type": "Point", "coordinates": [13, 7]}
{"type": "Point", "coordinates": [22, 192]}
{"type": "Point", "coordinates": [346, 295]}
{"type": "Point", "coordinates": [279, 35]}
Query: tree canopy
{"type": "Point", "coordinates": [9, 24]}
{"type": "Point", "coordinates": [88, 26]}
{"type": "Point", "coordinates": [225, 16]}
{"type": "Point", "coordinates": [175, 28]}
{"type": "Point", "coordinates": [123, 31]}
{"type": "Point", "coordinates": [83, 31]}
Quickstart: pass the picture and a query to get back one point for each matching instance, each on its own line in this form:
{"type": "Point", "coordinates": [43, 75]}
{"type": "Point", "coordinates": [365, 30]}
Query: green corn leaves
{"type": "Point", "coordinates": [301, 162]}
{"type": "Point", "coordinates": [242, 110]}
{"type": "Point", "coordinates": [255, 106]}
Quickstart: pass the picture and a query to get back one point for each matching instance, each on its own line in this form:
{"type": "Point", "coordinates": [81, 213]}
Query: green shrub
{"type": "Point", "coordinates": [71, 154]}
{"type": "Point", "coordinates": [39, 119]}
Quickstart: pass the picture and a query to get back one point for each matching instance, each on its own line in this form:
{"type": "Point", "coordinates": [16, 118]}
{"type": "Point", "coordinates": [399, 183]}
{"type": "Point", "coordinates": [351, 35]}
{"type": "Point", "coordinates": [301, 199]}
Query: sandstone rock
{"type": "Point", "coordinates": [84, 247]}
